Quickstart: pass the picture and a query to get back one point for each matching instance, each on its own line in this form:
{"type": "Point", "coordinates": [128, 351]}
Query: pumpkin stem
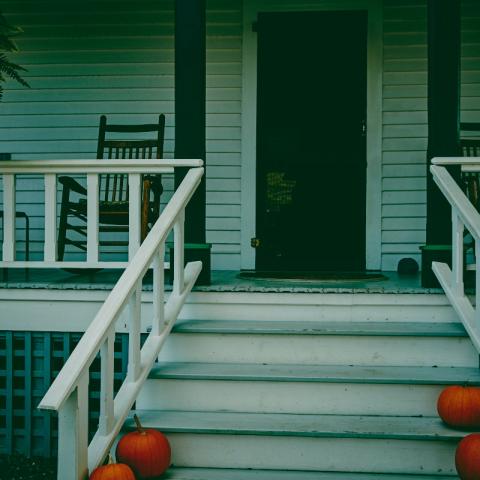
{"type": "Point", "coordinates": [110, 459]}
{"type": "Point", "coordinates": [139, 425]}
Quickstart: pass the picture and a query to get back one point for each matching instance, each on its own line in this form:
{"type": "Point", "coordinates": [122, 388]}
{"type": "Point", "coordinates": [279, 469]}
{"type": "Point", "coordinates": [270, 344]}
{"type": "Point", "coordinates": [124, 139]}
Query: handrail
{"type": "Point", "coordinates": [464, 215]}
{"type": "Point", "coordinates": [133, 168]}
{"type": "Point", "coordinates": [69, 392]}
{"type": "Point", "coordinates": [118, 165]}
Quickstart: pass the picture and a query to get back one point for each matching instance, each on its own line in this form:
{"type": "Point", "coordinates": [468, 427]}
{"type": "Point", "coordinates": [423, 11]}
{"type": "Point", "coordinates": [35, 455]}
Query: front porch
{"type": "Point", "coordinates": [221, 281]}
{"type": "Point", "coordinates": [249, 377]}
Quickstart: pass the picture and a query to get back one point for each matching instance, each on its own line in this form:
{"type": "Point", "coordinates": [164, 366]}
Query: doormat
{"type": "Point", "coordinates": [314, 276]}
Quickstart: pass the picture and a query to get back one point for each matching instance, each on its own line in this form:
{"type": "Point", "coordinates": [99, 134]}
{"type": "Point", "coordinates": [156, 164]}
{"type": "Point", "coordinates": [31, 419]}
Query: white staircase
{"type": "Point", "coordinates": [305, 399]}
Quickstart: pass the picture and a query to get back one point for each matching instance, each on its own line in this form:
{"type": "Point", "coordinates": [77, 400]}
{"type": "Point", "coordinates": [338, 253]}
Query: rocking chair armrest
{"type": "Point", "coordinates": [71, 184]}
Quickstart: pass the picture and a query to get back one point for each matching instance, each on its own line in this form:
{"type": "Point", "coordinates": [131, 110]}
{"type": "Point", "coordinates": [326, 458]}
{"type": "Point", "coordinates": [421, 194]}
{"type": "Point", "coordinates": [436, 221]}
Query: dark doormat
{"type": "Point", "coordinates": [314, 276]}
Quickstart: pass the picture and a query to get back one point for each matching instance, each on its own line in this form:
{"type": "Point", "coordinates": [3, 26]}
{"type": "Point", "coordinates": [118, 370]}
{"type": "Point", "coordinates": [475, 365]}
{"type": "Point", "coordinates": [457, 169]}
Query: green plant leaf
{"type": "Point", "coordinates": [9, 69]}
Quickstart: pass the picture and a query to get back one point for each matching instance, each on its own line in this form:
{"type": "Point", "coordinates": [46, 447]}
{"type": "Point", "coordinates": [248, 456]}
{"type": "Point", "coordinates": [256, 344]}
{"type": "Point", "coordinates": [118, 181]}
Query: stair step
{"type": "Point", "coordinates": [316, 373]}
{"type": "Point", "coordinates": [337, 426]}
{"type": "Point", "coordinates": [319, 443]}
{"type": "Point", "coordinates": [300, 389]}
{"type": "Point", "coordinates": [320, 343]}
{"type": "Point", "coordinates": [237, 474]}
{"type": "Point", "coordinates": [422, 329]}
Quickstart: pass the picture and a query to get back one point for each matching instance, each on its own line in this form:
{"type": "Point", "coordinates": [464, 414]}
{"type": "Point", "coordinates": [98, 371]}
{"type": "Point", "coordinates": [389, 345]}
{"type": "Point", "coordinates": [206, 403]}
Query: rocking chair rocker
{"type": "Point", "coordinates": [113, 189]}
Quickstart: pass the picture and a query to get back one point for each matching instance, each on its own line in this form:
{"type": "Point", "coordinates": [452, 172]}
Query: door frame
{"type": "Point", "coordinates": [251, 8]}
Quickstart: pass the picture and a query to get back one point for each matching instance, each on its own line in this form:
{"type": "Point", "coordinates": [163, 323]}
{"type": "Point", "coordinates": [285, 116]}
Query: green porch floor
{"type": "Point", "coordinates": [222, 281]}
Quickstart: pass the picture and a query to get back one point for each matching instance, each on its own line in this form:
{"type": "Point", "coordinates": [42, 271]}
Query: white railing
{"type": "Point", "coordinates": [69, 392]}
{"type": "Point", "coordinates": [464, 216]}
{"type": "Point", "coordinates": [92, 168]}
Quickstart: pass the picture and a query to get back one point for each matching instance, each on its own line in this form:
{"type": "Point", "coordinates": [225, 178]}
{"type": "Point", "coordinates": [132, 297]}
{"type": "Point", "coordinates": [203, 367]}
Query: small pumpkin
{"type": "Point", "coordinates": [459, 406]}
{"type": "Point", "coordinates": [113, 471]}
{"type": "Point", "coordinates": [467, 457]}
{"type": "Point", "coordinates": [145, 450]}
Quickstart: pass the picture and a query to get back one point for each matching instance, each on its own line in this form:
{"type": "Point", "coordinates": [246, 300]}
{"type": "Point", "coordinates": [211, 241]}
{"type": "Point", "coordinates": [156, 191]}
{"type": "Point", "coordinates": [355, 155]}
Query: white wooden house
{"type": "Point", "coordinates": [258, 379]}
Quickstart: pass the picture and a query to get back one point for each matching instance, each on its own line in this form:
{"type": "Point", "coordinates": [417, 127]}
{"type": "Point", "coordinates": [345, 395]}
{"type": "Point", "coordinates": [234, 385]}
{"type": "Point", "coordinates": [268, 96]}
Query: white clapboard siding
{"type": "Point", "coordinates": [470, 63]}
{"type": "Point", "coordinates": [405, 119]}
{"type": "Point", "coordinates": [404, 130]}
{"type": "Point", "coordinates": [116, 57]}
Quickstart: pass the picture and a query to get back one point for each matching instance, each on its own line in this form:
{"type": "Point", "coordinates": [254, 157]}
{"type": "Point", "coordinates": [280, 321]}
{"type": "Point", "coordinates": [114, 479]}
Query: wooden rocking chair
{"type": "Point", "coordinates": [470, 147]}
{"type": "Point", "coordinates": [113, 204]}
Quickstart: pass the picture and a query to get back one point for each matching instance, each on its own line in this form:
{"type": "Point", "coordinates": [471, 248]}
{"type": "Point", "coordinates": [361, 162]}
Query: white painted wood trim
{"type": "Point", "coordinates": [134, 215]}
{"type": "Point", "coordinates": [73, 429]}
{"type": "Point", "coordinates": [158, 293]}
{"type": "Point", "coordinates": [249, 137]}
{"type": "Point", "coordinates": [461, 304]}
{"type": "Point", "coordinates": [69, 392]}
{"type": "Point", "coordinates": [107, 358]}
{"type": "Point", "coordinates": [456, 198]}
{"type": "Point", "coordinates": [56, 264]}
{"type": "Point", "coordinates": [374, 119]}
{"type": "Point", "coordinates": [178, 261]}
{"type": "Point", "coordinates": [97, 166]}
{"type": "Point", "coordinates": [128, 392]}
{"type": "Point", "coordinates": [457, 253]}
{"type": "Point", "coordinates": [9, 211]}
{"type": "Point", "coordinates": [50, 245]}
{"type": "Point", "coordinates": [373, 233]}
{"type": "Point", "coordinates": [134, 316]}
{"type": "Point", "coordinates": [464, 214]}
{"type": "Point", "coordinates": [468, 164]}
{"type": "Point", "coordinates": [93, 339]}
{"type": "Point", "coordinates": [92, 217]}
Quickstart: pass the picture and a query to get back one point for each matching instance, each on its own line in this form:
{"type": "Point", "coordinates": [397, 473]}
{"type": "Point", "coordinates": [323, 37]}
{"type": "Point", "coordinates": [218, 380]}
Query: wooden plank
{"type": "Point", "coordinates": [329, 426]}
{"type": "Point", "coordinates": [28, 394]}
{"type": "Point", "coordinates": [180, 473]}
{"type": "Point", "coordinates": [9, 354]}
{"type": "Point", "coordinates": [421, 329]}
{"type": "Point", "coordinates": [317, 373]}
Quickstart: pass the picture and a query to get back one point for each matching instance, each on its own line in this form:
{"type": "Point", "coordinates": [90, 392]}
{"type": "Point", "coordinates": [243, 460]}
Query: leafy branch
{"type": "Point", "coordinates": [9, 69]}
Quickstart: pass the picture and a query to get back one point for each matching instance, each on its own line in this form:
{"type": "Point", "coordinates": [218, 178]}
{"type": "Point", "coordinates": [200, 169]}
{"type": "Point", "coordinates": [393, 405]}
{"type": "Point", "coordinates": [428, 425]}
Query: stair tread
{"type": "Point", "coordinates": [424, 329]}
{"type": "Point", "coordinates": [301, 425]}
{"type": "Point", "coordinates": [240, 474]}
{"type": "Point", "coordinates": [317, 373]}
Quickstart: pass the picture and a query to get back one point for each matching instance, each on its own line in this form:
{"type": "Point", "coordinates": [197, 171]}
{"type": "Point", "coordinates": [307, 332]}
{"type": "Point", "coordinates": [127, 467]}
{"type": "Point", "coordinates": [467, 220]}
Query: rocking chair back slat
{"type": "Point", "coordinates": [113, 187]}
{"type": "Point", "coordinates": [470, 147]}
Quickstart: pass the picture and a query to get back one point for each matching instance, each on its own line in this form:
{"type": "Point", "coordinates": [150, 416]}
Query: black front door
{"type": "Point", "coordinates": [311, 159]}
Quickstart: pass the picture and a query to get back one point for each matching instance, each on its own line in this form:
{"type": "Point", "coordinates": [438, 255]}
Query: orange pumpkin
{"type": "Point", "coordinates": [467, 457]}
{"type": "Point", "coordinates": [113, 471]}
{"type": "Point", "coordinates": [460, 406]}
{"type": "Point", "coordinates": [146, 451]}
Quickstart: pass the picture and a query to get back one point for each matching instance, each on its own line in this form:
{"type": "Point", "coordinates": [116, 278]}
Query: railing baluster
{"type": "Point", "coordinates": [158, 291]}
{"type": "Point", "coordinates": [50, 247]}
{"type": "Point", "coordinates": [107, 353]}
{"type": "Point", "coordinates": [477, 284]}
{"type": "Point", "coordinates": [179, 245]}
{"type": "Point", "coordinates": [457, 253]}
{"type": "Point", "coordinates": [74, 452]}
{"type": "Point", "coordinates": [73, 432]}
{"type": "Point", "coordinates": [134, 308]}
{"type": "Point", "coordinates": [92, 217]}
{"type": "Point", "coordinates": [9, 218]}
{"type": "Point", "coordinates": [134, 214]}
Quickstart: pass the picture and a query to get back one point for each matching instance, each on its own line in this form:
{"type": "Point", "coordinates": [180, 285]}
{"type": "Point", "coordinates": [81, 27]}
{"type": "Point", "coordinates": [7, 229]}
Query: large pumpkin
{"type": "Point", "coordinates": [146, 450]}
{"type": "Point", "coordinates": [113, 471]}
{"type": "Point", "coordinates": [467, 457]}
{"type": "Point", "coordinates": [460, 406]}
